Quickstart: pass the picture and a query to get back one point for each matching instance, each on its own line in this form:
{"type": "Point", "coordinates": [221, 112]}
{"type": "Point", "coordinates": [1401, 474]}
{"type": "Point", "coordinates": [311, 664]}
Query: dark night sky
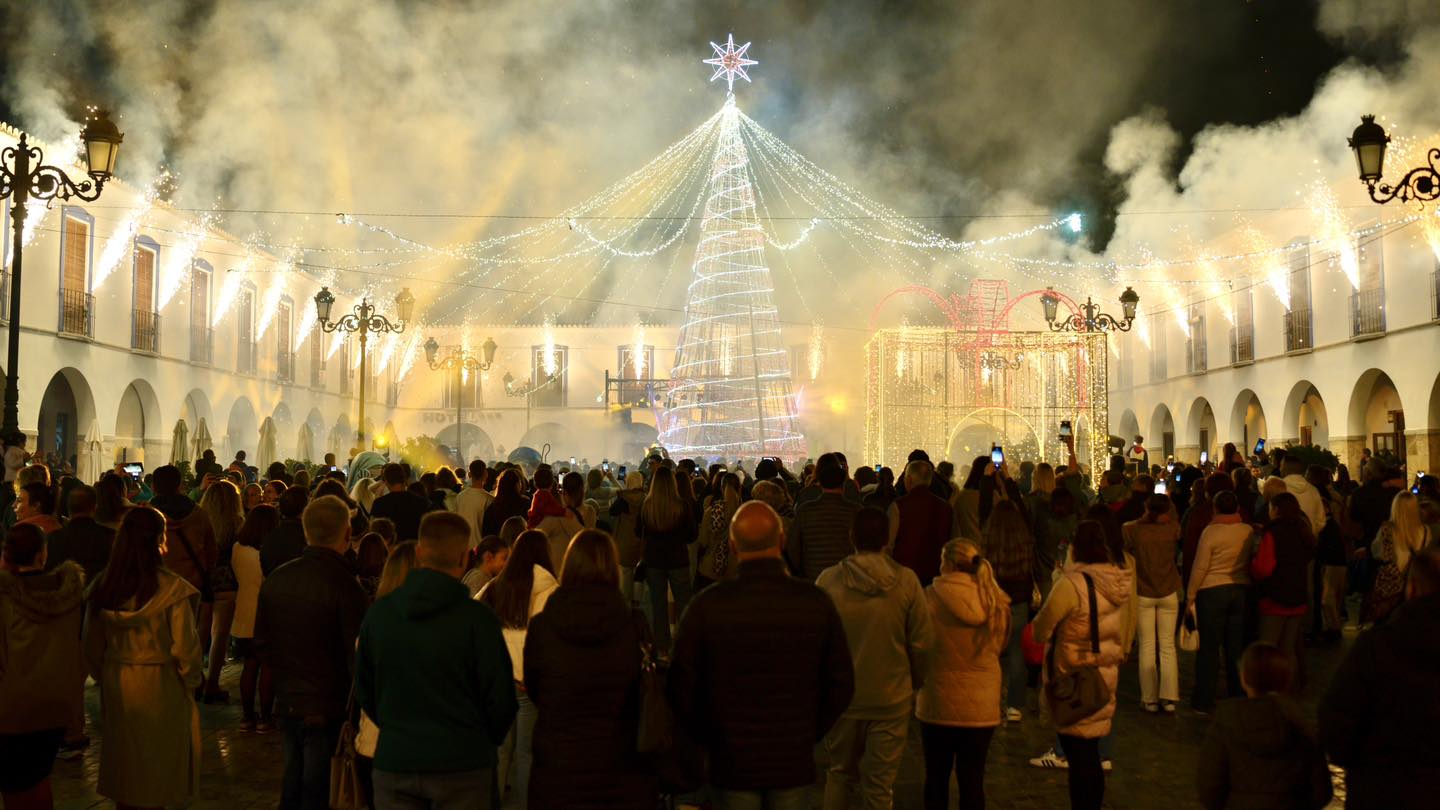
{"type": "Point", "coordinates": [940, 107]}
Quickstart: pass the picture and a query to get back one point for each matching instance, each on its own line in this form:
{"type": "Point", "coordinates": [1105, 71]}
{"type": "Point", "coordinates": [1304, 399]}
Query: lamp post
{"type": "Point", "coordinates": [1090, 318]}
{"type": "Point", "coordinates": [364, 320]}
{"type": "Point", "coordinates": [460, 361]}
{"type": "Point", "coordinates": [512, 391]}
{"type": "Point", "coordinates": [1421, 184]}
{"type": "Point", "coordinates": [23, 176]}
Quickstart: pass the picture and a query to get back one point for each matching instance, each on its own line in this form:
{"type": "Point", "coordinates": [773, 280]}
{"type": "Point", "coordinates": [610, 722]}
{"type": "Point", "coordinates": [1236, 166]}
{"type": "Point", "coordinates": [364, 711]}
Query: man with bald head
{"type": "Point", "coordinates": [761, 672]}
{"type": "Point", "coordinates": [433, 668]}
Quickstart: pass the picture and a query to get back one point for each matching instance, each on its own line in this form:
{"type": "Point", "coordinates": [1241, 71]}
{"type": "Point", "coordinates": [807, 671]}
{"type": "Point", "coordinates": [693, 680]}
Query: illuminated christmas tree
{"type": "Point", "coordinates": [730, 392]}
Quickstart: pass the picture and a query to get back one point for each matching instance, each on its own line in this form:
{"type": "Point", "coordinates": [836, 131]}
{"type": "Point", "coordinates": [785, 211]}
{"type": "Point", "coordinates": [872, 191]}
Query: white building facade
{"type": "Point", "coordinates": [1310, 345]}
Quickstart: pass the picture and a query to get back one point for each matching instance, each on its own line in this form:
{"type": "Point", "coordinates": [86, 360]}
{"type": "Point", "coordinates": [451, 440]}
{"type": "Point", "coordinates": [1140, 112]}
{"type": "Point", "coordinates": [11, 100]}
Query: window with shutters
{"type": "Point", "coordinates": [1242, 334]}
{"type": "Point", "coordinates": [318, 344]}
{"type": "Point", "coordinates": [284, 347]}
{"type": "Point", "coordinates": [245, 330]}
{"type": "Point", "coordinates": [201, 333]}
{"type": "Point", "coordinates": [1158, 366]}
{"type": "Point", "coordinates": [76, 313]}
{"type": "Point", "coordinates": [1367, 301]}
{"type": "Point", "coordinates": [1299, 336]}
{"type": "Point", "coordinates": [636, 393]}
{"type": "Point", "coordinates": [547, 391]}
{"type": "Point", "coordinates": [144, 320]}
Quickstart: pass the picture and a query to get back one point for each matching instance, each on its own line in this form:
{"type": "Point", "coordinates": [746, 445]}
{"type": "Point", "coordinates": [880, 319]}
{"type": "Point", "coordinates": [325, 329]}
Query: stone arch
{"type": "Point", "coordinates": [1201, 430]}
{"type": "Point", "coordinates": [284, 431]}
{"type": "Point", "coordinates": [67, 414]}
{"type": "Point", "coordinates": [1161, 433]}
{"type": "Point", "coordinates": [1376, 417]}
{"type": "Point", "coordinates": [1129, 426]}
{"type": "Point", "coordinates": [342, 437]}
{"type": "Point", "coordinates": [138, 424]}
{"type": "Point", "coordinates": [476, 442]}
{"type": "Point", "coordinates": [242, 431]}
{"type": "Point", "coordinates": [1306, 420]}
{"type": "Point", "coordinates": [552, 433]}
{"type": "Point", "coordinates": [1247, 421]}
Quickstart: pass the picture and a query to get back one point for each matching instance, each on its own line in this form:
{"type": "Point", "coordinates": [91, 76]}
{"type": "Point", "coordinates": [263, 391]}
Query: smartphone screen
{"type": "Point", "coordinates": [997, 456]}
{"type": "Point", "coordinates": [1204, 457]}
{"type": "Point", "coordinates": [1160, 488]}
{"type": "Point", "coordinates": [1065, 431]}
{"type": "Point", "coordinates": [1259, 446]}
{"type": "Point", "coordinates": [135, 470]}
{"type": "Point", "coordinates": [877, 469]}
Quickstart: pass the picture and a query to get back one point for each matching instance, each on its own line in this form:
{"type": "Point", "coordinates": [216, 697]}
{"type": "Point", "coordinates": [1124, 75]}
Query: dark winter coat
{"type": "Point", "coordinates": [1378, 719]}
{"type": "Point", "coordinates": [306, 624]}
{"type": "Point", "coordinates": [924, 529]}
{"type": "Point", "coordinates": [82, 540]}
{"type": "Point", "coordinates": [761, 671]}
{"type": "Point", "coordinates": [582, 671]}
{"type": "Point", "coordinates": [433, 671]}
{"type": "Point", "coordinates": [284, 543]}
{"type": "Point", "coordinates": [1261, 754]}
{"type": "Point", "coordinates": [42, 671]}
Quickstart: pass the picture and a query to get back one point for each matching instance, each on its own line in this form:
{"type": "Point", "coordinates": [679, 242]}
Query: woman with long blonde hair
{"type": "Point", "coordinates": [1400, 538]}
{"type": "Point", "coordinates": [959, 705]}
{"type": "Point", "coordinates": [221, 505]}
{"type": "Point", "coordinates": [667, 528]}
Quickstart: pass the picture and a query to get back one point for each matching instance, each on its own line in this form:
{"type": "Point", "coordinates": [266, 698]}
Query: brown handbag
{"type": "Point", "coordinates": [346, 792]}
{"type": "Point", "coordinates": [1078, 694]}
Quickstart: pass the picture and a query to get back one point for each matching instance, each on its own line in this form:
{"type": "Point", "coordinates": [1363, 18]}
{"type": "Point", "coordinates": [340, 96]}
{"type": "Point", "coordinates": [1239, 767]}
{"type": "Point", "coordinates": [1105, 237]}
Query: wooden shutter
{"type": "Point", "coordinates": [144, 279]}
{"type": "Point", "coordinates": [74, 273]}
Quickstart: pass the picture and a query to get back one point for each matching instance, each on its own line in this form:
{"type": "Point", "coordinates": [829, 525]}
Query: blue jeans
{"type": "Point", "coordinates": [309, 744]}
{"type": "Point", "coordinates": [517, 753]}
{"type": "Point", "coordinates": [656, 579]}
{"type": "Point", "coordinates": [464, 790]}
{"type": "Point", "coordinates": [796, 798]}
{"type": "Point", "coordinates": [1014, 661]}
{"type": "Point", "coordinates": [1220, 614]}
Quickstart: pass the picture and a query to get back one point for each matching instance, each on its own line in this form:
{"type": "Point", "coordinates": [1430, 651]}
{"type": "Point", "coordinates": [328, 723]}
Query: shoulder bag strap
{"type": "Point", "coordinates": [1094, 615]}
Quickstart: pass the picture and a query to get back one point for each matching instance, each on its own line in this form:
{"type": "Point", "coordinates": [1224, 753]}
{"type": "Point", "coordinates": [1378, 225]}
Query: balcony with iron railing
{"type": "Point", "coordinates": [1196, 356]}
{"type": "Point", "coordinates": [145, 331]}
{"type": "Point", "coordinates": [285, 366]}
{"type": "Point", "coordinates": [1242, 345]}
{"type": "Point", "coordinates": [1298, 334]}
{"type": "Point", "coordinates": [244, 355]}
{"type": "Point", "coordinates": [77, 313]}
{"type": "Point", "coordinates": [1367, 312]}
{"type": "Point", "coordinates": [202, 340]}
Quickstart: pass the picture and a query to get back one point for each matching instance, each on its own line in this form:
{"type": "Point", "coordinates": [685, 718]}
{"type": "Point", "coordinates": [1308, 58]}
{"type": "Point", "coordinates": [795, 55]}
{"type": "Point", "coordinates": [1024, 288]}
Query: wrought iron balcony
{"type": "Point", "coordinates": [1367, 312]}
{"type": "Point", "coordinates": [202, 339]}
{"type": "Point", "coordinates": [1242, 345]}
{"type": "Point", "coordinates": [77, 313]}
{"type": "Point", "coordinates": [145, 330]}
{"type": "Point", "coordinates": [1298, 334]}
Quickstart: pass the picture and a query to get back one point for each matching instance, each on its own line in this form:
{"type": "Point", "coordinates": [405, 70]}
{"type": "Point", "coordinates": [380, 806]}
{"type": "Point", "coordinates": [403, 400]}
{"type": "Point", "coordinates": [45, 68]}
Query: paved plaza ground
{"type": "Point", "coordinates": [1154, 755]}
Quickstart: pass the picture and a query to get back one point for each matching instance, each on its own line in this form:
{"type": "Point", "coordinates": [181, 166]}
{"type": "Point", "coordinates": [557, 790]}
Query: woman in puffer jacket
{"type": "Point", "coordinates": [959, 705]}
{"type": "Point", "coordinates": [1065, 618]}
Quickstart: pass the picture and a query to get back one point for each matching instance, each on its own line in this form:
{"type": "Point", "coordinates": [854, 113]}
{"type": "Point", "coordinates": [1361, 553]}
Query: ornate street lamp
{"type": "Point", "coordinates": [1421, 184]}
{"type": "Point", "coordinates": [1090, 318]}
{"type": "Point", "coordinates": [23, 176]}
{"type": "Point", "coordinates": [526, 391]}
{"type": "Point", "coordinates": [364, 320]}
{"type": "Point", "coordinates": [460, 361]}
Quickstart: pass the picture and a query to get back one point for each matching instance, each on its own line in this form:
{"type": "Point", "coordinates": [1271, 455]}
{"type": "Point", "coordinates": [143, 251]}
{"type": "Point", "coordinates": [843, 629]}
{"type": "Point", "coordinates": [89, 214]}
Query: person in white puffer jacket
{"type": "Point", "coordinates": [1065, 617]}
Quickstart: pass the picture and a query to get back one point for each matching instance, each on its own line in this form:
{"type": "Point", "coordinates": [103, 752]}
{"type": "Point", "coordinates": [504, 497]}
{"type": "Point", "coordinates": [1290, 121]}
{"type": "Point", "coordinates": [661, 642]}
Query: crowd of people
{"type": "Point", "coordinates": [558, 637]}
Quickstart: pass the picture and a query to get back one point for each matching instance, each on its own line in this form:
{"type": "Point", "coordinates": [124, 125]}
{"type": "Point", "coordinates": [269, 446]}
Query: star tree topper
{"type": "Point", "coordinates": [730, 62]}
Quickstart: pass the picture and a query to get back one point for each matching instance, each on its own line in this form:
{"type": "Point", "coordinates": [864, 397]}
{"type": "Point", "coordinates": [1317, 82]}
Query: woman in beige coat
{"type": "Point", "coordinates": [142, 648]}
{"type": "Point", "coordinates": [1065, 619]}
{"type": "Point", "coordinates": [959, 705]}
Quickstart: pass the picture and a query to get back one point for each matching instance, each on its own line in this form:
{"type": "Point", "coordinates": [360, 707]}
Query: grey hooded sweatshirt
{"type": "Point", "coordinates": [887, 625]}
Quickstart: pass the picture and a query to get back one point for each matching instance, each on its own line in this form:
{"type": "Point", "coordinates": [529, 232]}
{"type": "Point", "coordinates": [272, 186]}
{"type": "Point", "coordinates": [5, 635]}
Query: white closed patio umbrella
{"type": "Point", "coordinates": [266, 450]}
{"type": "Point", "coordinates": [179, 443]}
{"type": "Point", "coordinates": [203, 441]}
{"type": "Point", "coordinates": [92, 463]}
{"type": "Point", "coordinates": [305, 443]}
